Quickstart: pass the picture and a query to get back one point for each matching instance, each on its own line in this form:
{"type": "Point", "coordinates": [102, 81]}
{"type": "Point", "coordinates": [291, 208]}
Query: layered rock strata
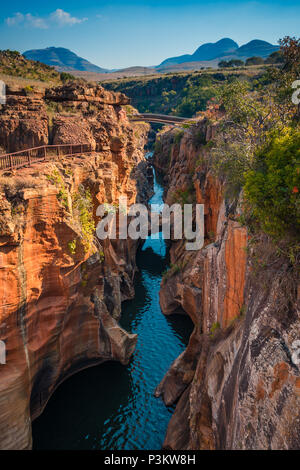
{"type": "Point", "coordinates": [237, 384]}
{"type": "Point", "coordinates": [62, 288]}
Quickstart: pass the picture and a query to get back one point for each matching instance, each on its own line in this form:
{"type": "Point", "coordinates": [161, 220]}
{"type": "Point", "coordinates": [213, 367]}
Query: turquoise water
{"type": "Point", "coordinates": [112, 407]}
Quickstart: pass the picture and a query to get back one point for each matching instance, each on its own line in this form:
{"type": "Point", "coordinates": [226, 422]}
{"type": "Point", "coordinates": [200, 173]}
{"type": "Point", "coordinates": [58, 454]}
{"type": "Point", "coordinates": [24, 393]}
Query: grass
{"type": "Point", "coordinates": [14, 64]}
{"type": "Point", "coordinates": [18, 183]}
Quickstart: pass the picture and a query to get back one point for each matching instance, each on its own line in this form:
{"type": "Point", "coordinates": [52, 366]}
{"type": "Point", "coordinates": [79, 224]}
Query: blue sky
{"type": "Point", "coordinates": [118, 33]}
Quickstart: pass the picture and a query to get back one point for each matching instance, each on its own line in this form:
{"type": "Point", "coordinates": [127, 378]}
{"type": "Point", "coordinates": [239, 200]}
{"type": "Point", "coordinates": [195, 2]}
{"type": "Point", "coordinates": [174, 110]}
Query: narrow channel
{"type": "Point", "coordinates": [110, 406]}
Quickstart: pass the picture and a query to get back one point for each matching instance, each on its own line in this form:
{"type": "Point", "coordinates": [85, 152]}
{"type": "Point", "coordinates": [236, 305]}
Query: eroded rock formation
{"type": "Point", "coordinates": [61, 289]}
{"type": "Point", "coordinates": [237, 385]}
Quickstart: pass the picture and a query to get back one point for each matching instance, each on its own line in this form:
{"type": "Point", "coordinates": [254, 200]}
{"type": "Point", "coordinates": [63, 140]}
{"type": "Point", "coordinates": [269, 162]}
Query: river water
{"type": "Point", "coordinates": [110, 406]}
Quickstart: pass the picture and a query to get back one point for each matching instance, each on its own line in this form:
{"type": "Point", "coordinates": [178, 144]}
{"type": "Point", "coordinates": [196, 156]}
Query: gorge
{"type": "Point", "coordinates": [70, 302]}
{"type": "Point", "coordinates": [114, 405]}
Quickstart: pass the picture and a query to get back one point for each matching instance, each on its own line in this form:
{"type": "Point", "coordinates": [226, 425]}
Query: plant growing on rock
{"type": "Point", "coordinates": [83, 208]}
{"type": "Point", "coordinates": [72, 246]}
{"type": "Point", "coordinates": [57, 179]}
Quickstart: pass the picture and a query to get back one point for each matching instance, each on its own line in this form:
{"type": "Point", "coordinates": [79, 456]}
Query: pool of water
{"type": "Point", "coordinates": [112, 407]}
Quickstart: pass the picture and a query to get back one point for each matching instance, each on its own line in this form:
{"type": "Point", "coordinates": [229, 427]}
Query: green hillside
{"type": "Point", "coordinates": [181, 94]}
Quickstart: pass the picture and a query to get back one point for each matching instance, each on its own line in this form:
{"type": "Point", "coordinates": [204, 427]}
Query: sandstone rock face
{"type": "Point", "coordinates": [71, 113]}
{"type": "Point", "coordinates": [74, 92]}
{"type": "Point", "coordinates": [23, 123]}
{"type": "Point", "coordinates": [237, 383]}
{"type": "Point", "coordinates": [62, 288]}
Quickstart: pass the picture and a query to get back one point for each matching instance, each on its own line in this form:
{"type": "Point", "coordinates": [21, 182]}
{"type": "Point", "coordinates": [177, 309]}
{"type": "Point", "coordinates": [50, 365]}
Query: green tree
{"type": "Point", "coordinates": [254, 61]}
{"type": "Point", "coordinates": [275, 58]}
{"type": "Point", "coordinates": [272, 187]}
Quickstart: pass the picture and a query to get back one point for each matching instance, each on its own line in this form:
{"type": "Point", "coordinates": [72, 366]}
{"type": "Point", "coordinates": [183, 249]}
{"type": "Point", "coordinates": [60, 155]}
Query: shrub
{"type": "Point", "coordinates": [72, 246]}
{"type": "Point", "coordinates": [82, 203]}
{"type": "Point", "coordinates": [65, 77]}
{"type": "Point", "coordinates": [28, 89]}
{"type": "Point", "coordinates": [57, 179]}
{"type": "Point", "coordinates": [184, 196]}
{"type": "Point", "coordinates": [254, 61]}
{"type": "Point", "coordinates": [178, 137]}
{"type": "Point", "coordinates": [172, 271]}
{"type": "Point", "coordinates": [272, 188]}
{"type": "Point", "coordinates": [214, 327]}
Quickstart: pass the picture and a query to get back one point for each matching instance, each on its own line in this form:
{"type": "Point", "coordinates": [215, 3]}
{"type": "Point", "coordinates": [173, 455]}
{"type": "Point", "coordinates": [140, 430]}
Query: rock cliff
{"type": "Point", "coordinates": [237, 384]}
{"type": "Point", "coordinates": [61, 289]}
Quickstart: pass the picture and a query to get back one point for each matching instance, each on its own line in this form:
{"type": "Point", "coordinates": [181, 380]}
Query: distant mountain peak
{"type": "Point", "coordinates": [223, 48]}
{"type": "Point", "coordinates": [207, 51]}
{"type": "Point", "coordinates": [257, 47]}
{"type": "Point", "coordinates": [62, 59]}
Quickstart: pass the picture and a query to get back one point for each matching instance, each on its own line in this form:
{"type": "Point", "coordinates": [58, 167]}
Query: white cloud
{"type": "Point", "coordinates": [58, 17]}
{"type": "Point", "coordinates": [64, 18]}
{"type": "Point", "coordinates": [16, 19]}
{"type": "Point", "coordinates": [35, 21]}
{"type": "Point", "coordinates": [27, 20]}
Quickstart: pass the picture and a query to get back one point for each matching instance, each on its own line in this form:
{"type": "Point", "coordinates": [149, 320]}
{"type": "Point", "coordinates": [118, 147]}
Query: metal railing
{"type": "Point", "coordinates": [15, 160]}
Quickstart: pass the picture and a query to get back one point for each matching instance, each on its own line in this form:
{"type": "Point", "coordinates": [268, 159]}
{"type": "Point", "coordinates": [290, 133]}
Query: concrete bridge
{"type": "Point", "coordinates": [158, 118]}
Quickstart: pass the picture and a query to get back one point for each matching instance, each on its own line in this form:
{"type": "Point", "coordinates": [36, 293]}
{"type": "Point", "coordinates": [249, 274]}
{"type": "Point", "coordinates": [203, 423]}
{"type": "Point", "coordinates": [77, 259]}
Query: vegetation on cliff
{"type": "Point", "coordinates": [257, 150]}
{"type": "Point", "coordinates": [272, 188]}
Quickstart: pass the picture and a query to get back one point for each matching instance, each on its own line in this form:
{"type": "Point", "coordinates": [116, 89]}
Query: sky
{"type": "Point", "coordinates": [119, 33]}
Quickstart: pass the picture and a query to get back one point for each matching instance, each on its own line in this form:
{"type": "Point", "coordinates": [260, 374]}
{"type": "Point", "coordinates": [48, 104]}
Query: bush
{"type": "Point", "coordinates": [272, 188]}
{"type": "Point", "coordinates": [178, 136]}
{"type": "Point", "coordinates": [57, 179]}
{"type": "Point", "coordinates": [231, 63]}
{"type": "Point", "coordinates": [83, 207]}
{"type": "Point", "coordinates": [275, 58]}
{"type": "Point", "coordinates": [65, 77]}
{"type": "Point", "coordinates": [254, 61]}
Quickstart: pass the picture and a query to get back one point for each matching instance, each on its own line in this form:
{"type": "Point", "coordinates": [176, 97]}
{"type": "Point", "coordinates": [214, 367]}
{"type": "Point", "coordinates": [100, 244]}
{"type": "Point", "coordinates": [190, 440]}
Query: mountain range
{"type": "Point", "coordinates": [62, 59]}
{"type": "Point", "coordinates": [225, 48]}
{"type": "Point", "coordinates": [65, 60]}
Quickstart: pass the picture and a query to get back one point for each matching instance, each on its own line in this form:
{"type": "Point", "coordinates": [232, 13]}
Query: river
{"type": "Point", "coordinates": [110, 406]}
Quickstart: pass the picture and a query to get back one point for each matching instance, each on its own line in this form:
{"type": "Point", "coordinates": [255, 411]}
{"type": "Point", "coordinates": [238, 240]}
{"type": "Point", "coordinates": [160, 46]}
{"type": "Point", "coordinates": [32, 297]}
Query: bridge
{"type": "Point", "coordinates": [158, 118]}
{"type": "Point", "coordinates": [13, 161]}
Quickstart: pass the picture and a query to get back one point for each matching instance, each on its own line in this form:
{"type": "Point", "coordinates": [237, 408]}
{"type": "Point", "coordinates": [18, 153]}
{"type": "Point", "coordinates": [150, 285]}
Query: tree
{"type": "Point", "coordinates": [223, 63]}
{"type": "Point", "coordinates": [236, 63]}
{"type": "Point", "coordinates": [231, 63]}
{"type": "Point", "coordinates": [275, 58]}
{"type": "Point", "coordinates": [249, 118]}
{"type": "Point", "coordinates": [254, 61]}
{"type": "Point", "coordinates": [272, 187]}
{"type": "Point", "coordinates": [65, 77]}
{"type": "Point", "coordinates": [290, 48]}
{"type": "Point", "coordinates": [284, 77]}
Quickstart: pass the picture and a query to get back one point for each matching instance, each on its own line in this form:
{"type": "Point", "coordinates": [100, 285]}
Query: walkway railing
{"type": "Point", "coordinates": [13, 161]}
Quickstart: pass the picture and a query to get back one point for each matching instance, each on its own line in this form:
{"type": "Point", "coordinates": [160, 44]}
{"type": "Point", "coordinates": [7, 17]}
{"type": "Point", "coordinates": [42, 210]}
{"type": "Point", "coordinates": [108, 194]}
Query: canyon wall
{"type": "Point", "coordinates": [61, 289]}
{"type": "Point", "coordinates": [237, 385]}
